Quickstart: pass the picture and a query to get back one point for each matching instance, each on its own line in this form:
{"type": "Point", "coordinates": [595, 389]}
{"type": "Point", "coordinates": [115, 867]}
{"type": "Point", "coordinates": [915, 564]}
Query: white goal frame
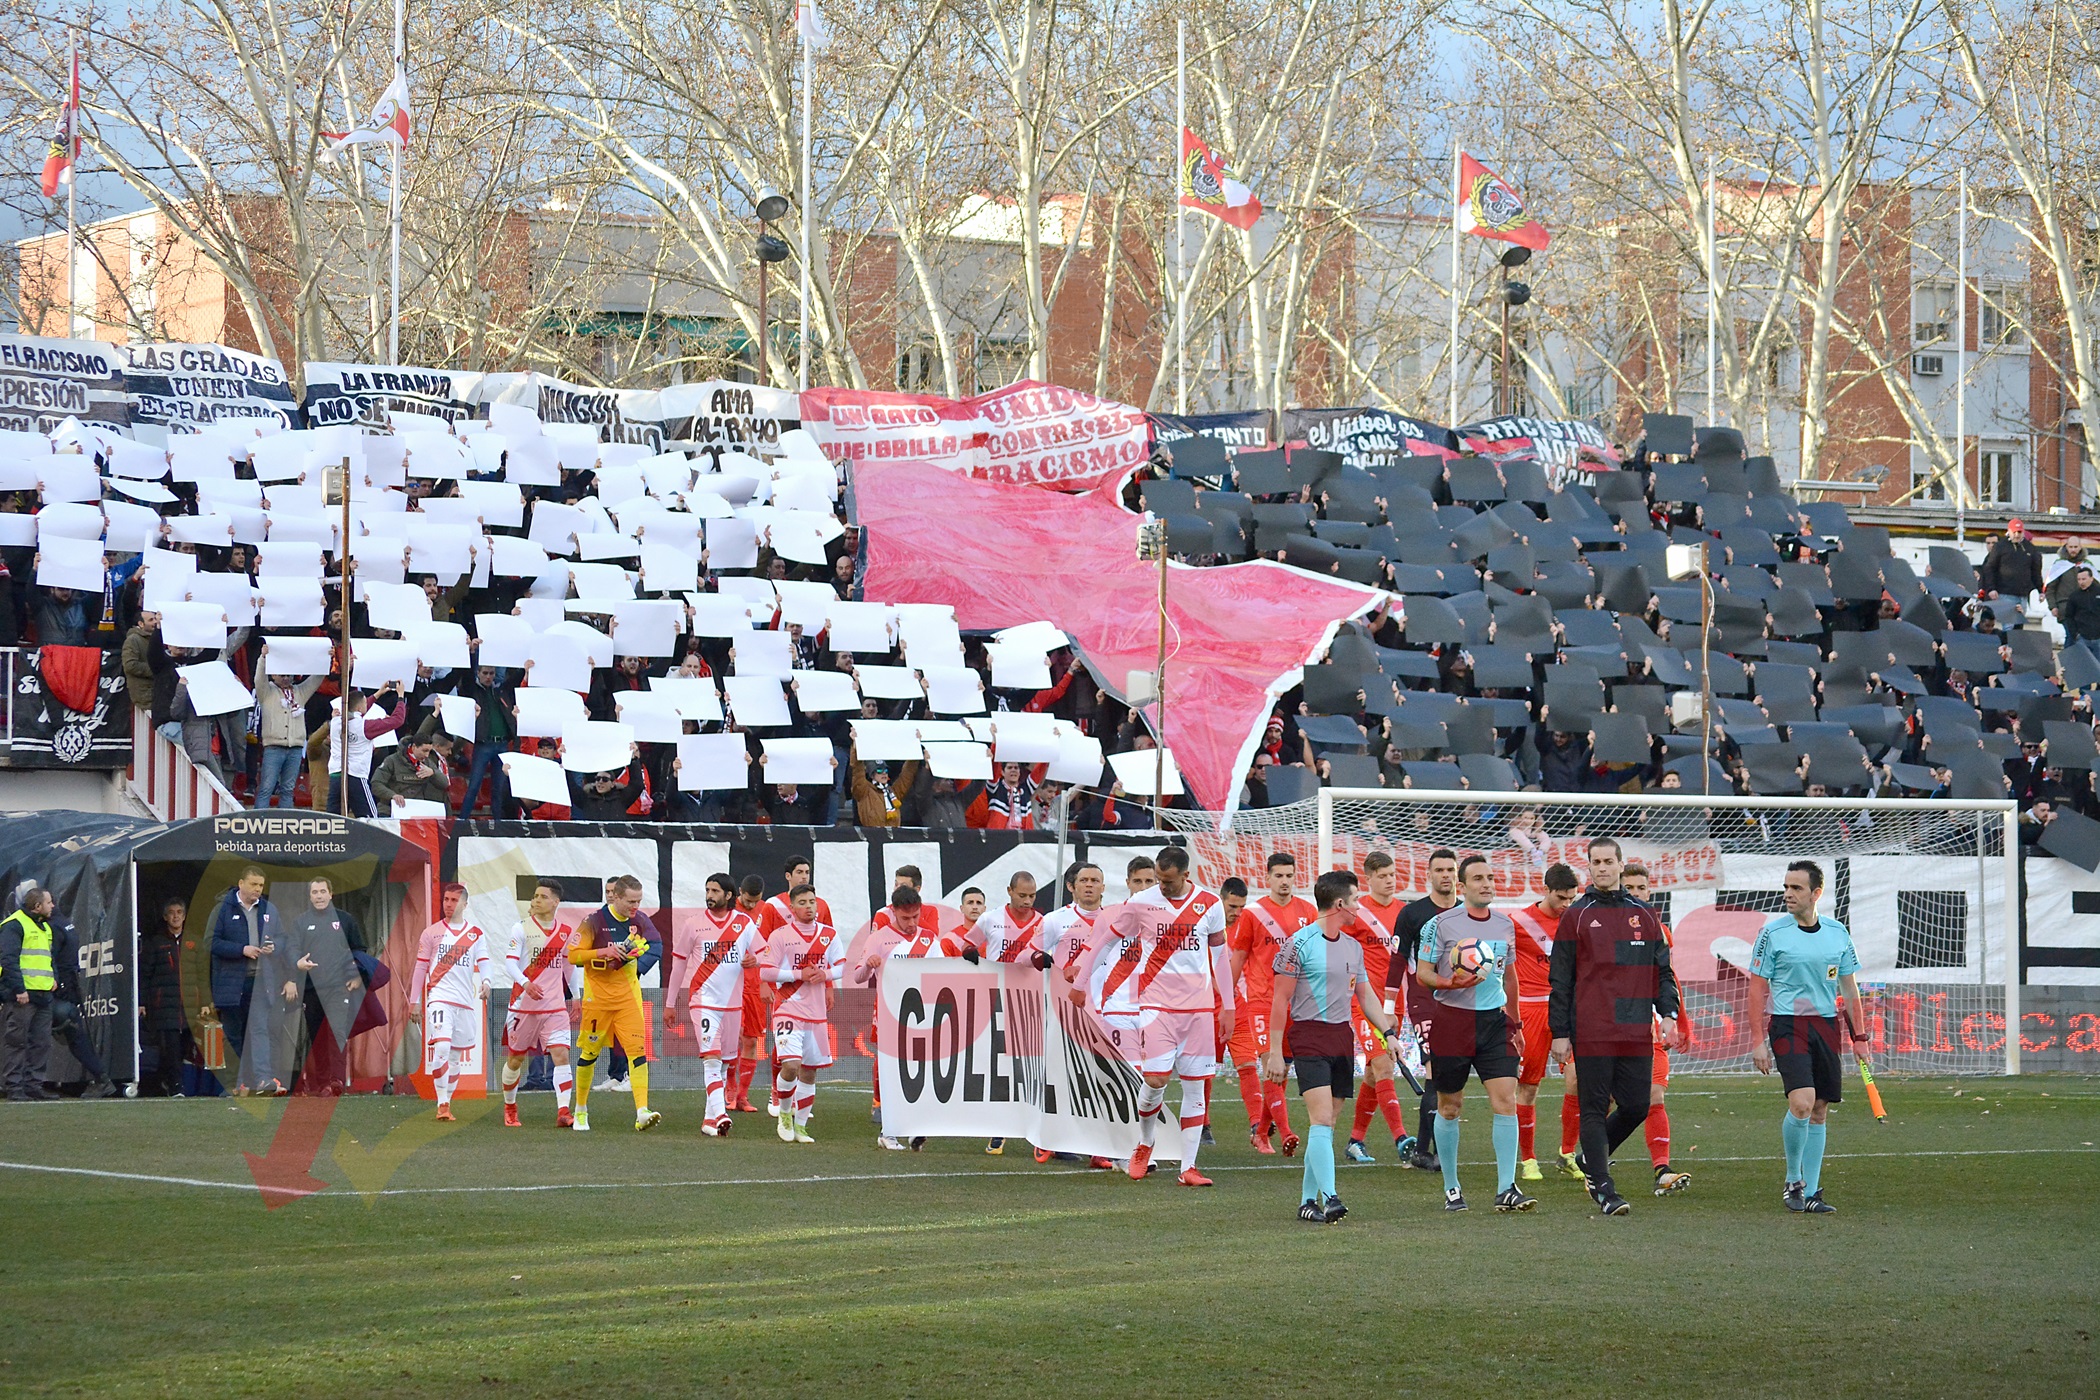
{"type": "Point", "coordinates": [2007, 811]}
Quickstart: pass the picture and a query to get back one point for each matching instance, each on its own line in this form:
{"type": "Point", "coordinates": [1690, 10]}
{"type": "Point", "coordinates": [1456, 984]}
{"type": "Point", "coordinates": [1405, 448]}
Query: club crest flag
{"type": "Point", "coordinates": [387, 126]}
{"type": "Point", "coordinates": [65, 137]}
{"type": "Point", "coordinates": [1205, 186]}
{"type": "Point", "coordinates": [1490, 206]}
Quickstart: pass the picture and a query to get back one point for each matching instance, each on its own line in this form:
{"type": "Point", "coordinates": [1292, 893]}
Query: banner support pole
{"type": "Point", "coordinates": [1457, 179]}
{"type": "Point", "coordinates": [1181, 286]}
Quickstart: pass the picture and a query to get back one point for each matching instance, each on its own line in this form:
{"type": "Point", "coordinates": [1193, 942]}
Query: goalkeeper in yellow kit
{"type": "Point", "coordinates": [607, 945]}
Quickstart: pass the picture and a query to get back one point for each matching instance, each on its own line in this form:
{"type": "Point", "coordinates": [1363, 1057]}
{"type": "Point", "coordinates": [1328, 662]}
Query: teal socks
{"type": "Point", "coordinates": [1447, 1148]}
{"type": "Point", "coordinates": [1794, 1133]}
{"type": "Point", "coordinates": [1319, 1156]}
{"type": "Point", "coordinates": [1505, 1152]}
{"type": "Point", "coordinates": [1812, 1136]}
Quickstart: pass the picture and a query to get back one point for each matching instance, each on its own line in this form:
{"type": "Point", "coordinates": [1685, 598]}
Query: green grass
{"type": "Point", "coordinates": [1962, 1259]}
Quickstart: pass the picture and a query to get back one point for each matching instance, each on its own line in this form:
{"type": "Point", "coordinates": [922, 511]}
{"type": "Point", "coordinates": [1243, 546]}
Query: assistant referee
{"type": "Point", "coordinates": [1799, 964]}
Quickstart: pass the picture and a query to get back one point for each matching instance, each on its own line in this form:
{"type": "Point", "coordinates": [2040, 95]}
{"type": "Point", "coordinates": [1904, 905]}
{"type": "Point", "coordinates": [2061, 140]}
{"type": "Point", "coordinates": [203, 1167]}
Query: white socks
{"type": "Point", "coordinates": [805, 1103]}
{"type": "Point", "coordinates": [1192, 1110]}
{"type": "Point", "coordinates": [564, 1085]}
{"type": "Point", "coordinates": [711, 1072]}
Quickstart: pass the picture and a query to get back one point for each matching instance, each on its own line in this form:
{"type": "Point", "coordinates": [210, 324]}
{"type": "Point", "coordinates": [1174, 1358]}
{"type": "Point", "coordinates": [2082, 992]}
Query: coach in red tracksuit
{"type": "Point", "coordinates": [1611, 978]}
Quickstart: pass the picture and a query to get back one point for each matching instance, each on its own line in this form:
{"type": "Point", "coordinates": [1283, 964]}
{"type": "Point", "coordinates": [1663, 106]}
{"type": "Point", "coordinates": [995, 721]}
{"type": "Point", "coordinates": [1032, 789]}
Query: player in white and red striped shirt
{"type": "Point", "coordinates": [708, 953]}
{"type": "Point", "coordinates": [1185, 992]}
{"type": "Point", "coordinates": [774, 913]}
{"type": "Point", "coordinates": [1012, 934]}
{"type": "Point", "coordinates": [542, 983]}
{"type": "Point", "coordinates": [806, 960]}
{"type": "Point", "coordinates": [904, 929]}
{"type": "Point", "coordinates": [451, 978]}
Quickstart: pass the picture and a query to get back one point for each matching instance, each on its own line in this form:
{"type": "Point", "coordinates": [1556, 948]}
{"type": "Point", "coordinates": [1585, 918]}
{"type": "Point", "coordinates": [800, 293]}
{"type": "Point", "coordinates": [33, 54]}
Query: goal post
{"type": "Point", "coordinates": [1929, 888]}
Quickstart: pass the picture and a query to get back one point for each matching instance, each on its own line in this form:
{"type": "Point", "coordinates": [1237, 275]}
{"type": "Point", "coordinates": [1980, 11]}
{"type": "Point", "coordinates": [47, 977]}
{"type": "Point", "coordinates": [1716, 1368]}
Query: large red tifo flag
{"type": "Point", "coordinates": [65, 137]}
{"type": "Point", "coordinates": [1002, 555]}
{"type": "Point", "coordinates": [1206, 187]}
{"type": "Point", "coordinates": [1490, 206]}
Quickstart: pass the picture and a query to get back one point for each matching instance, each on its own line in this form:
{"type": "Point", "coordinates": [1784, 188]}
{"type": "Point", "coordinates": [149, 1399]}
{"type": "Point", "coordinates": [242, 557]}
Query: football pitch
{"type": "Point", "coordinates": [466, 1258]}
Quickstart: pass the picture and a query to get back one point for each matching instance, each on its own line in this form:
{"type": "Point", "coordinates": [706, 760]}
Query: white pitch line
{"type": "Point", "coordinates": [829, 1179]}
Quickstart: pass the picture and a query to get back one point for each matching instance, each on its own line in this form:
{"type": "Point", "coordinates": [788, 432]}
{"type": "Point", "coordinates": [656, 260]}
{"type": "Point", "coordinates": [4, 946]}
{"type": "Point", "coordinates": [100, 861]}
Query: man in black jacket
{"type": "Point", "coordinates": [1611, 978]}
{"type": "Point", "coordinates": [2080, 610]}
{"type": "Point", "coordinates": [2013, 566]}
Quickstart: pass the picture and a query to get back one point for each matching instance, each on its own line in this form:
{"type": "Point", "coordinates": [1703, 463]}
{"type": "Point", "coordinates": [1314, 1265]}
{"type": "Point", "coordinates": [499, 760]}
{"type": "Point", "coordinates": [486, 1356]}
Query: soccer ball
{"type": "Point", "coordinates": [1470, 956]}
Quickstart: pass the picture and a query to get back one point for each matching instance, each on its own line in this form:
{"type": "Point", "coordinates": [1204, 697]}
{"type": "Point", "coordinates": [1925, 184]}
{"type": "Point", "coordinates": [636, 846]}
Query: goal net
{"type": "Point", "coordinates": [1925, 886]}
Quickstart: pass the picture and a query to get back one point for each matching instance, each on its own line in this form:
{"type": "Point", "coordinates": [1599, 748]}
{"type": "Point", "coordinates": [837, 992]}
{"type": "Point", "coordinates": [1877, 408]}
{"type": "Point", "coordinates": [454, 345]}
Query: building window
{"type": "Point", "coordinates": [1997, 471]}
{"type": "Point", "coordinates": [919, 368]}
{"type": "Point", "coordinates": [1774, 368]}
{"type": "Point", "coordinates": [1997, 316]}
{"type": "Point", "coordinates": [1932, 313]}
{"type": "Point", "coordinates": [1927, 485]}
{"type": "Point", "coordinates": [1000, 362]}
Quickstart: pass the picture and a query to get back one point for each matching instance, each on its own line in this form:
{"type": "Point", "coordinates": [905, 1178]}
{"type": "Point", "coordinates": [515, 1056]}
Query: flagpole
{"type": "Point", "coordinates": [1713, 298]}
{"type": "Point", "coordinates": [72, 173]}
{"type": "Point", "coordinates": [1961, 364]}
{"type": "Point", "coordinates": [1457, 179]}
{"type": "Point", "coordinates": [808, 205]}
{"type": "Point", "coordinates": [393, 329]}
{"type": "Point", "coordinates": [1181, 286]}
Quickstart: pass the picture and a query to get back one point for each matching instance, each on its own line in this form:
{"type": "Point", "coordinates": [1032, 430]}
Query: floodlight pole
{"type": "Point", "coordinates": [342, 654]}
{"type": "Point", "coordinates": [1706, 670]}
{"type": "Point", "coordinates": [1159, 684]}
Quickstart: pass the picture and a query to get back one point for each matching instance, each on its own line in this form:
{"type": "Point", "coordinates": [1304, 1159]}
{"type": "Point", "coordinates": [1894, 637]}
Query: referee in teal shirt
{"type": "Point", "coordinates": [1801, 961]}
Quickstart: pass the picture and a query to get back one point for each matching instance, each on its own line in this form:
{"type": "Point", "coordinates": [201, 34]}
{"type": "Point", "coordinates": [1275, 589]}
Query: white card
{"type": "Point", "coordinates": [694, 696]}
{"type": "Point", "coordinates": [890, 740]}
{"type": "Point", "coordinates": [858, 627]}
{"type": "Point", "coordinates": [214, 689]}
{"type": "Point", "coordinates": [76, 564]}
{"type": "Point", "coordinates": [596, 746]}
{"type": "Point", "coordinates": [1137, 770]}
{"type": "Point", "coordinates": [822, 692]}
{"type": "Point", "coordinates": [536, 780]}
{"type": "Point", "coordinates": [764, 653]}
{"type": "Point", "coordinates": [505, 640]}
{"type": "Point", "coordinates": [757, 702]}
{"type": "Point", "coordinates": [889, 683]}
{"type": "Point", "coordinates": [544, 713]}
{"type": "Point", "coordinates": [713, 763]}
{"type": "Point", "coordinates": [798, 761]}
{"type": "Point", "coordinates": [298, 656]}
{"type": "Point", "coordinates": [376, 660]}
{"type": "Point", "coordinates": [953, 690]}
{"type": "Point", "coordinates": [193, 625]}
{"type": "Point", "coordinates": [292, 602]}
{"type": "Point", "coordinates": [961, 762]}
{"type": "Point", "coordinates": [1078, 759]}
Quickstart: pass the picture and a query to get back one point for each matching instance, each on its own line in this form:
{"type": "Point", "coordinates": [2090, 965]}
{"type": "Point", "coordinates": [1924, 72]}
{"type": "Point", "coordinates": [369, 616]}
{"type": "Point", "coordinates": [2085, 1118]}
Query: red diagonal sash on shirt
{"type": "Point", "coordinates": [717, 951]}
{"type": "Point", "coordinates": [1157, 962]}
{"type": "Point", "coordinates": [452, 957]}
{"type": "Point", "coordinates": [1020, 944]}
{"type": "Point", "coordinates": [556, 941]}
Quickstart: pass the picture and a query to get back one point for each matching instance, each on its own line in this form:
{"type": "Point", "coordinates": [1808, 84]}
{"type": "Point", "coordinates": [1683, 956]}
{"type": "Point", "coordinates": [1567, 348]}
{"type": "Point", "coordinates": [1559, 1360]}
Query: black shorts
{"type": "Point", "coordinates": [1323, 1054]}
{"type": "Point", "coordinates": [1806, 1049]}
{"type": "Point", "coordinates": [1461, 1041]}
{"type": "Point", "coordinates": [1334, 1073]}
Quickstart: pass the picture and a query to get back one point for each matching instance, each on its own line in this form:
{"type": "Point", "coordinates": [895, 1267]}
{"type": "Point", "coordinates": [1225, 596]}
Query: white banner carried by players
{"type": "Point", "coordinates": [999, 1050]}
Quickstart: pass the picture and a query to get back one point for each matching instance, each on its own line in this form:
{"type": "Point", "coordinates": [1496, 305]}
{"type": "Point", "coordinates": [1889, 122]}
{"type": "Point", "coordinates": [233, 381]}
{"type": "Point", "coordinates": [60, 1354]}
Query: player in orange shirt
{"type": "Point", "coordinates": [1533, 965]}
{"type": "Point", "coordinates": [1634, 880]}
{"type": "Point", "coordinates": [1377, 912]}
{"type": "Point", "coordinates": [750, 899]}
{"type": "Point", "coordinates": [1263, 927]}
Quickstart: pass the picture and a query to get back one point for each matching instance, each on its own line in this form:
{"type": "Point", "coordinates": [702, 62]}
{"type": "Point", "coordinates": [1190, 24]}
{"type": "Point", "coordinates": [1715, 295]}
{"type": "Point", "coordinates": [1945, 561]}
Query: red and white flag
{"type": "Point", "coordinates": [1490, 207]}
{"type": "Point", "coordinates": [388, 124]}
{"type": "Point", "coordinates": [1206, 187]}
{"type": "Point", "coordinates": [65, 137]}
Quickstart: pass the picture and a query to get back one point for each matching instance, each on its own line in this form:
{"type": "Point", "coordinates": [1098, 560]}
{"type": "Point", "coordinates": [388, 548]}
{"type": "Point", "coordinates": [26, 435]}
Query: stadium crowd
{"type": "Point", "coordinates": [1536, 636]}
